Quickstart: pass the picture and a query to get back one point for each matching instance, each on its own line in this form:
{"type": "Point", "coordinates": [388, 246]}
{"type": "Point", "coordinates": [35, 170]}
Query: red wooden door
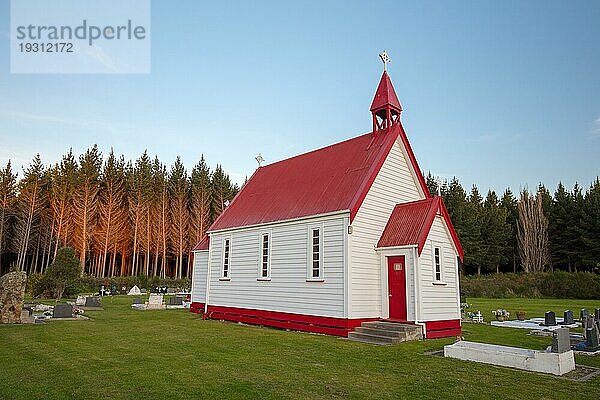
{"type": "Point", "coordinates": [397, 287]}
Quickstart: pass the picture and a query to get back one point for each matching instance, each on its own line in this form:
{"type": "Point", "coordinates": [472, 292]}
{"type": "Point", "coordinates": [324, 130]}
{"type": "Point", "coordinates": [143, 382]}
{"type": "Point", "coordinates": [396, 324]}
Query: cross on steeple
{"type": "Point", "coordinates": [385, 59]}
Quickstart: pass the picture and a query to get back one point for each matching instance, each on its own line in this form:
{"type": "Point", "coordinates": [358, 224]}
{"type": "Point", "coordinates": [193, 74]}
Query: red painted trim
{"type": "Point", "coordinates": [427, 223]}
{"type": "Point", "coordinates": [440, 329]}
{"type": "Point", "coordinates": [197, 308]}
{"type": "Point", "coordinates": [297, 322]}
{"type": "Point", "coordinates": [375, 168]}
{"type": "Point", "coordinates": [415, 164]}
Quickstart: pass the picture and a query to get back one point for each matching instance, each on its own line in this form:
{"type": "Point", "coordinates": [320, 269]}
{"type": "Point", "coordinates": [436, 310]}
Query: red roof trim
{"type": "Point", "coordinates": [400, 231]}
{"type": "Point", "coordinates": [375, 168]}
{"type": "Point", "coordinates": [428, 222]}
{"type": "Point", "coordinates": [414, 163]}
{"type": "Point", "coordinates": [203, 244]}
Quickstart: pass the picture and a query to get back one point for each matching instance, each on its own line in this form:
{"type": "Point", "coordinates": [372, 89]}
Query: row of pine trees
{"type": "Point", "coordinates": [492, 230]}
{"type": "Point", "coordinates": [123, 218]}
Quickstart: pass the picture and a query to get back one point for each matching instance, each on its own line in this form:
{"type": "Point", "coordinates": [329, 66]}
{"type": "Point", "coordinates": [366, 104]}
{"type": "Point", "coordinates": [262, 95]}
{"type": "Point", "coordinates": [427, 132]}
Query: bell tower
{"type": "Point", "coordinates": [385, 108]}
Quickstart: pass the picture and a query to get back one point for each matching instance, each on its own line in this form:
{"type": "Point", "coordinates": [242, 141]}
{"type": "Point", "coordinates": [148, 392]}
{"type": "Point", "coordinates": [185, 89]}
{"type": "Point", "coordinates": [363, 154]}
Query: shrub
{"type": "Point", "coordinates": [63, 273]}
{"type": "Point", "coordinates": [564, 285]}
{"type": "Point", "coordinates": [34, 285]}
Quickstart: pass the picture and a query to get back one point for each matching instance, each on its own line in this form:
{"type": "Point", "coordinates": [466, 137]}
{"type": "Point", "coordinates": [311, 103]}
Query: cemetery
{"type": "Point", "coordinates": [319, 364]}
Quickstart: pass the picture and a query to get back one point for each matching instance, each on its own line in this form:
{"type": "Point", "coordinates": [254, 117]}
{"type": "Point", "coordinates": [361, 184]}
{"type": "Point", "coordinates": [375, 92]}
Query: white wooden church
{"type": "Point", "coordinates": [330, 239]}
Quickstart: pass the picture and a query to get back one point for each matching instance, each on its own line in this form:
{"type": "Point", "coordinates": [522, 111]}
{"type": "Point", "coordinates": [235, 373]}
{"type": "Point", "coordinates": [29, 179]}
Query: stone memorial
{"type": "Point", "coordinates": [583, 314]}
{"type": "Point", "coordinates": [134, 291]}
{"type": "Point", "coordinates": [549, 318]}
{"type": "Point", "coordinates": [597, 314]}
{"type": "Point", "coordinates": [175, 301]}
{"type": "Point", "coordinates": [12, 292]}
{"type": "Point", "coordinates": [27, 316]}
{"type": "Point", "coordinates": [170, 290]}
{"type": "Point", "coordinates": [80, 301]}
{"type": "Point", "coordinates": [137, 300]}
{"type": "Point", "coordinates": [93, 302]}
{"type": "Point", "coordinates": [592, 338]}
{"type": "Point", "coordinates": [155, 302]}
{"type": "Point", "coordinates": [561, 343]}
{"type": "Point", "coordinates": [568, 318]}
{"type": "Point", "coordinates": [62, 311]}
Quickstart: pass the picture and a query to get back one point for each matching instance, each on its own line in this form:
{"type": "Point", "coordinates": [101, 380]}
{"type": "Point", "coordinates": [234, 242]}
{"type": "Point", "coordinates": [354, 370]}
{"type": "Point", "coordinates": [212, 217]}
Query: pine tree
{"type": "Point", "coordinates": [85, 202]}
{"type": "Point", "coordinates": [455, 199]}
{"type": "Point", "coordinates": [432, 184]}
{"type": "Point", "coordinates": [180, 219]}
{"type": "Point", "coordinates": [495, 233]}
{"type": "Point", "coordinates": [200, 199]}
{"type": "Point", "coordinates": [509, 204]}
{"type": "Point", "coordinates": [63, 181]}
{"type": "Point", "coordinates": [473, 245]}
{"type": "Point", "coordinates": [112, 211]}
{"type": "Point", "coordinates": [139, 180]}
{"type": "Point", "coordinates": [8, 197]}
{"type": "Point", "coordinates": [591, 226]}
{"type": "Point", "coordinates": [558, 227]}
{"type": "Point", "coordinates": [161, 213]}
{"type": "Point", "coordinates": [222, 191]}
{"type": "Point", "coordinates": [29, 210]}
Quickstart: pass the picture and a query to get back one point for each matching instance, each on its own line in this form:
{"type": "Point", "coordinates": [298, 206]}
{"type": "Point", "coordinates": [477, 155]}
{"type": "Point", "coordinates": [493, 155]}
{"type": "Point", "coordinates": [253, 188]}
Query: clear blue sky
{"type": "Point", "coordinates": [495, 93]}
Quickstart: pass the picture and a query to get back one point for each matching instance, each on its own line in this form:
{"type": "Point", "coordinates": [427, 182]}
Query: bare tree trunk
{"type": "Point", "coordinates": [532, 234]}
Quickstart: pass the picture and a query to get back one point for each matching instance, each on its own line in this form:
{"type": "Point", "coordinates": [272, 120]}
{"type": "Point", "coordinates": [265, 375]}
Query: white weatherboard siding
{"type": "Point", "coordinates": [439, 302]}
{"type": "Point", "coordinates": [394, 184]}
{"type": "Point", "coordinates": [288, 289]}
{"type": "Point", "coordinates": [199, 276]}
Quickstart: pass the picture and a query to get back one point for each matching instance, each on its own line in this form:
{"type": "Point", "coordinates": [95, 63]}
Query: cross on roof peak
{"type": "Point", "coordinates": [385, 59]}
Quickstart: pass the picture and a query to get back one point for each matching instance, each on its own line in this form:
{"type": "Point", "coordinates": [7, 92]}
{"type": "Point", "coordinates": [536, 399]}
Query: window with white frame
{"type": "Point", "coordinates": [226, 257]}
{"type": "Point", "coordinates": [265, 256]}
{"type": "Point", "coordinates": [315, 267]}
{"type": "Point", "coordinates": [437, 263]}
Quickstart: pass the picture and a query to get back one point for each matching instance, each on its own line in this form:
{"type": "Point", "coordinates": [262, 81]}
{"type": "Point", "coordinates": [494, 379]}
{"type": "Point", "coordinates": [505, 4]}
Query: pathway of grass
{"type": "Point", "coordinates": [127, 354]}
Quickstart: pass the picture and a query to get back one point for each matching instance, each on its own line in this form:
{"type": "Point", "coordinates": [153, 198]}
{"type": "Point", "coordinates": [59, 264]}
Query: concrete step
{"type": "Point", "coordinates": [372, 339]}
{"type": "Point", "coordinates": [392, 326]}
{"type": "Point", "coordinates": [381, 332]}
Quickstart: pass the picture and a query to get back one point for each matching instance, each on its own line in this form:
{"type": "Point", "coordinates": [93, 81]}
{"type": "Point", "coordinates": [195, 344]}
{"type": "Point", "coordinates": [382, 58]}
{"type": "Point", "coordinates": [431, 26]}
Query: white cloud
{"type": "Point", "coordinates": [596, 128]}
{"type": "Point", "coordinates": [84, 123]}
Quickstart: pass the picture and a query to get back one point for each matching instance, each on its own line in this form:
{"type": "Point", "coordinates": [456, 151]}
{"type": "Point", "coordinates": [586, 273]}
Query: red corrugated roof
{"type": "Point", "coordinates": [410, 223]}
{"type": "Point", "coordinates": [385, 94]}
{"type": "Point", "coordinates": [203, 245]}
{"type": "Point", "coordinates": [333, 178]}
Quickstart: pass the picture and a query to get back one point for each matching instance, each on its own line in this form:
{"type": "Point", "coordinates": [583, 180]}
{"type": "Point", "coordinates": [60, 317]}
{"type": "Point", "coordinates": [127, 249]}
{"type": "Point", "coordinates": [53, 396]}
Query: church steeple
{"type": "Point", "coordinates": [385, 108]}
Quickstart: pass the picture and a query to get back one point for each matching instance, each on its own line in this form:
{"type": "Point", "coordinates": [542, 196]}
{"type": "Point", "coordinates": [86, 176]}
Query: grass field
{"type": "Point", "coordinates": [127, 354]}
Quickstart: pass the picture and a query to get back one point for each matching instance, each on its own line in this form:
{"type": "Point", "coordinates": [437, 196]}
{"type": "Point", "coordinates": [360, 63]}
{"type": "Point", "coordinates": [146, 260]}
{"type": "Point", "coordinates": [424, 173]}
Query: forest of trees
{"type": "Point", "coordinates": [123, 218]}
{"type": "Point", "coordinates": [141, 218]}
{"type": "Point", "coordinates": [565, 226]}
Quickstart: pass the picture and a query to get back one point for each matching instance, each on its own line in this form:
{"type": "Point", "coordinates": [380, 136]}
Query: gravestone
{"type": "Point", "coordinates": [549, 318]}
{"type": "Point", "coordinates": [176, 301]}
{"type": "Point", "coordinates": [561, 343]}
{"type": "Point", "coordinates": [62, 311]}
{"type": "Point", "coordinates": [93, 302]}
{"type": "Point", "coordinates": [80, 301]}
{"type": "Point", "coordinates": [134, 291]}
{"type": "Point", "coordinates": [597, 314]}
{"type": "Point", "coordinates": [12, 292]}
{"type": "Point", "coordinates": [137, 300]}
{"type": "Point", "coordinates": [103, 291]}
{"type": "Point", "coordinates": [592, 337]}
{"type": "Point", "coordinates": [583, 314]}
{"type": "Point", "coordinates": [155, 302]}
{"type": "Point", "coordinates": [27, 316]}
{"type": "Point", "coordinates": [170, 290]}
{"type": "Point", "coordinates": [568, 318]}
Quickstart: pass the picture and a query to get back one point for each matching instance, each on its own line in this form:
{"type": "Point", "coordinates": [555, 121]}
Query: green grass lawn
{"type": "Point", "coordinates": [123, 353]}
